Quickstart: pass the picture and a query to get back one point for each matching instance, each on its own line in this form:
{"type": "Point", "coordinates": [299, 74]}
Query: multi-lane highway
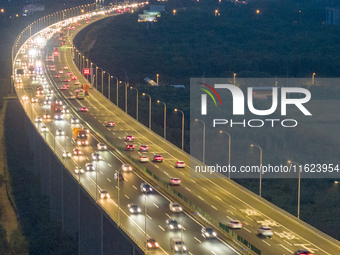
{"type": "Point", "coordinates": [221, 198]}
{"type": "Point", "coordinates": [102, 178]}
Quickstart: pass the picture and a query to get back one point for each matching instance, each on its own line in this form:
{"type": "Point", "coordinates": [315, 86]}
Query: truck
{"type": "Point", "coordinates": [57, 111]}
{"type": "Point", "coordinates": [80, 94]}
{"type": "Point", "coordinates": [79, 135]}
{"type": "Point", "coordinates": [40, 90]}
{"type": "Point", "coordinates": [86, 88]}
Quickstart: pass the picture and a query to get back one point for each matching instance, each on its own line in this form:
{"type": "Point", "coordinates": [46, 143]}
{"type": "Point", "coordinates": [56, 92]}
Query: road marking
{"type": "Point", "coordinates": [284, 247]}
{"type": "Point", "coordinates": [218, 198]}
{"type": "Point", "coordinates": [168, 215]}
{"type": "Point", "coordinates": [101, 172]}
{"type": "Point", "coordinates": [156, 166]}
{"type": "Point", "coordinates": [134, 186]}
{"type": "Point", "coordinates": [266, 243]}
{"type": "Point", "coordinates": [109, 180]}
{"type": "Point", "coordinates": [127, 197]}
{"type": "Point", "coordinates": [109, 165]}
{"type": "Point", "coordinates": [213, 252]}
{"type": "Point", "coordinates": [229, 217]}
{"type": "Point", "coordinates": [249, 218]}
{"type": "Point", "coordinates": [246, 229]}
{"type": "Point", "coordinates": [161, 227]}
{"type": "Point", "coordinates": [287, 242]}
{"type": "Point", "coordinates": [192, 180]}
{"type": "Point", "coordinates": [214, 207]}
{"type": "Point", "coordinates": [232, 207]}
{"type": "Point", "coordinates": [205, 189]}
{"type": "Point", "coordinates": [187, 189]}
{"type": "Point", "coordinates": [198, 240]}
{"type": "Point", "coordinates": [149, 216]}
{"type": "Point", "coordinates": [156, 205]}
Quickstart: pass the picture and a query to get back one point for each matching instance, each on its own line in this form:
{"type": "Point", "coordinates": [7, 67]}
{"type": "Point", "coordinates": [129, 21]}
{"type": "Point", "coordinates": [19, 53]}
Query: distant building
{"type": "Point", "coordinates": [32, 8]}
{"type": "Point", "coordinates": [333, 16]}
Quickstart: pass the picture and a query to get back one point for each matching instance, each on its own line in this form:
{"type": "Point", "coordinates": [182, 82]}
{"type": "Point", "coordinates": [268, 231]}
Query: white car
{"type": "Point", "coordinates": [177, 244]}
{"type": "Point", "coordinates": [126, 167]}
{"type": "Point", "coordinates": [175, 207]}
{"type": "Point", "coordinates": [38, 119]}
{"type": "Point", "coordinates": [76, 83]}
{"type": "Point", "coordinates": [79, 170]}
{"type": "Point", "coordinates": [74, 121]}
{"type": "Point", "coordinates": [143, 159]}
{"type": "Point", "coordinates": [65, 67]}
{"type": "Point", "coordinates": [133, 208]}
{"type": "Point", "coordinates": [25, 98]}
{"type": "Point", "coordinates": [234, 224]}
{"type": "Point", "coordinates": [34, 100]}
{"type": "Point", "coordinates": [96, 156]}
{"type": "Point", "coordinates": [104, 194]}
{"type": "Point", "coordinates": [265, 231]}
{"type": "Point", "coordinates": [44, 129]}
{"type": "Point", "coordinates": [180, 164]}
{"type": "Point", "coordinates": [101, 146]}
{"type": "Point", "coordinates": [59, 132]}
{"type": "Point", "coordinates": [90, 167]}
{"type": "Point", "coordinates": [66, 154]}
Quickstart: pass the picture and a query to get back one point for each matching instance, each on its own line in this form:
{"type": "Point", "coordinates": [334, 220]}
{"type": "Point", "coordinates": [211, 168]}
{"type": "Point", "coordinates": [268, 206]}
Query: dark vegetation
{"type": "Point", "coordinates": [286, 39]}
{"type": "Point", "coordinates": [44, 236]}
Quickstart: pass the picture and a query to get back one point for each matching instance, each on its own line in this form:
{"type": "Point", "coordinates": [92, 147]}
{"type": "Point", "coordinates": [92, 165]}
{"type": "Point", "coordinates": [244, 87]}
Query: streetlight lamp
{"type": "Point", "coordinates": [260, 188]}
{"type": "Point", "coordinates": [299, 186]}
{"type": "Point", "coordinates": [126, 85]}
{"type": "Point", "coordinates": [176, 110]}
{"type": "Point", "coordinates": [203, 138]}
{"type": "Point", "coordinates": [149, 109]}
{"type": "Point", "coordinates": [229, 150]}
{"type": "Point", "coordinates": [136, 102]}
{"type": "Point", "coordinates": [174, 12]}
{"type": "Point", "coordinates": [158, 101]}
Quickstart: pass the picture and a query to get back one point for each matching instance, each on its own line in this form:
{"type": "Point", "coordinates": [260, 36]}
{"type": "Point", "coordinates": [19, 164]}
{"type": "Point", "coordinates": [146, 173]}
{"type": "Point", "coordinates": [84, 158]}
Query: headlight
{"type": "Point", "coordinates": [207, 234]}
{"type": "Point", "coordinates": [131, 210]}
{"type": "Point", "coordinates": [171, 226]}
{"type": "Point", "coordinates": [176, 248]}
{"type": "Point", "coordinates": [214, 234]}
{"type": "Point", "coordinates": [139, 210]}
{"type": "Point", "coordinates": [179, 226]}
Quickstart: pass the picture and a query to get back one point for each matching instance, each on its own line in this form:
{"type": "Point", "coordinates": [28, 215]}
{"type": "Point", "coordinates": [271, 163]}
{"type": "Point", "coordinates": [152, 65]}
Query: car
{"type": "Point", "coordinates": [144, 148]}
{"type": "Point", "coordinates": [59, 132]}
{"type": "Point", "coordinates": [157, 158]}
{"type": "Point", "coordinates": [177, 244]}
{"type": "Point", "coordinates": [52, 69]}
{"type": "Point", "coordinates": [145, 188]}
{"type": "Point", "coordinates": [74, 121]}
{"type": "Point", "coordinates": [25, 98]}
{"type": "Point", "coordinates": [66, 154]}
{"type": "Point", "coordinates": [90, 167]}
{"type": "Point", "coordinates": [76, 83]}
{"type": "Point", "coordinates": [303, 252]}
{"type": "Point", "coordinates": [34, 100]}
{"type": "Point", "coordinates": [59, 102]}
{"type": "Point", "coordinates": [84, 109]}
{"type": "Point", "coordinates": [74, 77]}
{"type": "Point", "coordinates": [143, 159]}
{"type": "Point", "coordinates": [47, 102]}
{"type": "Point", "coordinates": [46, 116]}
{"type": "Point", "coordinates": [64, 87]}
{"type": "Point", "coordinates": [175, 207]}
{"type": "Point", "coordinates": [265, 231]}
{"type": "Point", "coordinates": [38, 119]}
{"type": "Point", "coordinates": [44, 129]}
{"type": "Point", "coordinates": [151, 243]}
{"type": "Point", "coordinates": [101, 146]}
{"type": "Point", "coordinates": [57, 76]}
{"type": "Point", "coordinates": [130, 138]}
{"type": "Point", "coordinates": [126, 167]}
{"type": "Point", "coordinates": [69, 73]}
{"type": "Point", "coordinates": [172, 224]}
{"type": "Point", "coordinates": [49, 97]}
{"type": "Point", "coordinates": [180, 164]}
{"type": "Point", "coordinates": [96, 156]}
{"type": "Point", "coordinates": [67, 80]}
{"type": "Point", "coordinates": [60, 71]}
{"type": "Point", "coordinates": [134, 209]}
{"type": "Point", "coordinates": [65, 67]}
{"type": "Point", "coordinates": [208, 233]}
{"type": "Point", "coordinates": [86, 129]}
{"type": "Point", "coordinates": [76, 151]}
{"type": "Point", "coordinates": [79, 170]}
{"type": "Point", "coordinates": [130, 147]}
{"type": "Point", "coordinates": [119, 176]}
{"type": "Point", "coordinates": [234, 224]}
{"type": "Point", "coordinates": [111, 124]}
{"type": "Point", "coordinates": [175, 181]}
{"type": "Point", "coordinates": [103, 194]}
{"type": "Point", "coordinates": [67, 85]}
{"type": "Point", "coordinates": [65, 109]}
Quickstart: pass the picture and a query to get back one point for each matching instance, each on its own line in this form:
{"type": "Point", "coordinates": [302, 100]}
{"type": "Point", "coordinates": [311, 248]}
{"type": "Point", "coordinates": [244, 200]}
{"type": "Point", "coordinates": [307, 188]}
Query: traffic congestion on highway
{"type": "Point", "coordinates": [95, 139]}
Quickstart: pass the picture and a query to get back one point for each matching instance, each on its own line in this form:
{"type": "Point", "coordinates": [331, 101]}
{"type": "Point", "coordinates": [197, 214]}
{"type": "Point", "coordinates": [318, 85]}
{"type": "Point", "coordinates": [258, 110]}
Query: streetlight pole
{"type": "Point", "coordinates": [229, 150]}
{"type": "Point", "coordinates": [313, 78]}
{"type": "Point", "coordinates": [149, 109]}
{"type": "Point", "coordinates": [260, 188]}
{"type": "Point", "coordinates": [96, 77]}
{"type": "Point", "coordinates": [299, 186]}
{"type": "Point", "coordinates": [126, 85]}
{"type": "Point", "coordinates": [102, 79]}
{"type": "Point", "coordinates": [164, 117]}
{"type": "Point", "coordinates": [176, 110]}
{"type": "Point", "coordinates": [136, 102]}
{"type": "Point", "coordinates": [118, 220]}
{"type": "Point", "coordinates": [146, 236]}
{"type": "Point", "coordinates": [203, 139]}
{"type": "Point", "coordinates": [234, 79]}
{"type": "Point", "coordinates": [157, 78]}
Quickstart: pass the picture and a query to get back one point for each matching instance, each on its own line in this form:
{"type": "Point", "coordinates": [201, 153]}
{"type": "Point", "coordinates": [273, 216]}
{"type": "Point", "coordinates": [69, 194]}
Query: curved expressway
{"type": "Point", "coordinates": [221, 198]}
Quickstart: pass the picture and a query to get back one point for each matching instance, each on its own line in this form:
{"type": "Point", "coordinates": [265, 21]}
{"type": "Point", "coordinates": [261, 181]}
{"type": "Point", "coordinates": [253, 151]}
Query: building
{"type": "Point", "coordinates": [333, 16]}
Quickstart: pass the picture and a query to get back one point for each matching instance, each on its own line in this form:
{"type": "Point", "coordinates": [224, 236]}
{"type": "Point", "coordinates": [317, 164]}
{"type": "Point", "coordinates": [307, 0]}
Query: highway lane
{"type": "Point", "coordinates": [230, 200]}
{"type": "Point", "coordinates": [87, 180]}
